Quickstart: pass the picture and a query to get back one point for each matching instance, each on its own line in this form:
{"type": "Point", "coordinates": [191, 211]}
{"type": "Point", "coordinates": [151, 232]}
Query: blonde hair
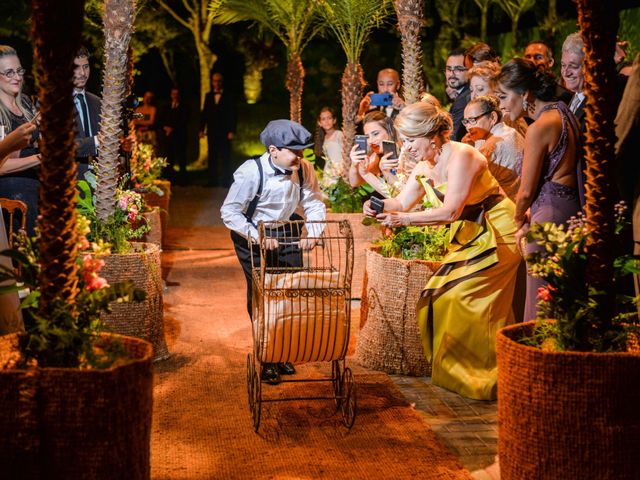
{"type": "Point", "coordinates": [21, 100]}
{"type": "Point", "coordinates": [423, 119]}
{"type": "Point", "coordinates": [488, 71]}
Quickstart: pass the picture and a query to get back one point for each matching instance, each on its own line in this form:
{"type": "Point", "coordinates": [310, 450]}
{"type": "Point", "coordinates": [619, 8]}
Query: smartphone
{"type": "Point", "coordinates": [381, 99]}
{"type": "Point", "coordinates": [361, 142]}
{"type": "Point", "coordinates": [377, 204]}
{"type": "Point", "coordinates": [390, 146]}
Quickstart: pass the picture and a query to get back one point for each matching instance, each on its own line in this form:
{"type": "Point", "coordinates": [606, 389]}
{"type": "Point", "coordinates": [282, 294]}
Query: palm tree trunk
{"type": "Point", "coordinates": [514, 32]}
{"type": "Point", "coordinates": [294, 83]}
{"type": "Point", "coordinates": [597, 20]}
{"type": "Point", "coordinates": [118, 27]}
{"type": "Point", "coordinates": [61, 27]}
{"type": "Point", "coordinates": [410, 15]}
{"type": "Point", "coordinates": [352, 85]}
{"type": "Point", "coordinates": [484, 13]}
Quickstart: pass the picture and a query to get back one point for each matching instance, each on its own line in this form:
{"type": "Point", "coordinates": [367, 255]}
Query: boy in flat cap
{"type": "Point", "coordinates": [270, 188]}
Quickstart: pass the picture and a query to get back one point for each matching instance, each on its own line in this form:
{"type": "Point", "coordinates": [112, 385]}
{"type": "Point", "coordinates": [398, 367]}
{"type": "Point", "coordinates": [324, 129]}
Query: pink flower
{"type": "Point", "coordinates": [544, 293]}
{"type": "Point", "coordinates": [123, 203]}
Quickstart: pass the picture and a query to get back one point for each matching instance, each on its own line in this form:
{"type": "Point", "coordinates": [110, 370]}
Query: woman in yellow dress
{"type": "Point", "coordinates": [469, 297]}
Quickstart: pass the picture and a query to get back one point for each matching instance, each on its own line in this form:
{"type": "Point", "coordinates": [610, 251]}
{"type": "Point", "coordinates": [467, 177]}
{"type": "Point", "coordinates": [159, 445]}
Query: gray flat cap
{"type": "Point", "coordinates": [286, 134]}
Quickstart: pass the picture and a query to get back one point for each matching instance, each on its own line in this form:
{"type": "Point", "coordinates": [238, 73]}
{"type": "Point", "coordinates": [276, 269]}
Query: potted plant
{"type": "Point", "coordinates": [345, 203]}
{"type": "Point", "coordinates": [146, 171]}
{"type": "Point", "coordinates": [565, 405]}
{"type": "Point", "coordinates": [397, 269]}
{"type": "Point", "coordinates": [74, 403]}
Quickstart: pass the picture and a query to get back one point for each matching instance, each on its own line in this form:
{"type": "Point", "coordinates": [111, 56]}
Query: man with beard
{"type": "Point", "coordinates": [458, 81]}
{"type": "Point", "coordinates": [87, 113]}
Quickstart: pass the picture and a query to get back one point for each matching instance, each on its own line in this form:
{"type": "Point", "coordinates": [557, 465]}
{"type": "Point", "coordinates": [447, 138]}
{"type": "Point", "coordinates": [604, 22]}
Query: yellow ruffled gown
{"type": "Point", "coordinates": [469, 297]}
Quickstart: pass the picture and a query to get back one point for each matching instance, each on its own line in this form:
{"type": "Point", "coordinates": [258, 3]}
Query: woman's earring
{"type": "Point", "coordinates": [525, 105]}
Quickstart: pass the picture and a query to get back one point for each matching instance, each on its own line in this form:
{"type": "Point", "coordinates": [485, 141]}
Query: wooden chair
{"type": "Point", "coordinates": [11, 206]}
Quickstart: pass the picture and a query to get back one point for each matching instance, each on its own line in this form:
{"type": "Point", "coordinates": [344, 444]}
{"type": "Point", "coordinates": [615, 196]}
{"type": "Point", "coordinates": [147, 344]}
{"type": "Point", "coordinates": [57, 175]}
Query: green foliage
{"type": "Point", "coordinates": [126, 223]}
{"type": "Point", "coordinates": [68, 337]}
{"type": "Point", "coordinates": [571, 301]}
{"type": "Point", "coordinates": [352, 22]}
{"type": "Point", "coordinates": [415, 243]}
{"type": "Point", "coordinates": [345, 199]}
{"type": "Point", "coordinates": [147, 168]}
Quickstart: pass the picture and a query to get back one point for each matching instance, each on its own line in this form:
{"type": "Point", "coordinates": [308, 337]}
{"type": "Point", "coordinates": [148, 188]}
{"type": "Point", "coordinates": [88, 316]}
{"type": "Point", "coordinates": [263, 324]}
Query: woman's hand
{"type": "Point", "coordinates": [387, 164]}
{"type": "Point", "coordinates": [394, 219]}
{"type": "Point", "coordinates": [521, 239]}
{"type": "Point", "coordinates": [397, 102]}
{"type": "Point", "coordinates": [367, 210]}
{"type": "Point", "coordinates": [358, 156]}
{"type": "Point", "coordinates": [18, 139]}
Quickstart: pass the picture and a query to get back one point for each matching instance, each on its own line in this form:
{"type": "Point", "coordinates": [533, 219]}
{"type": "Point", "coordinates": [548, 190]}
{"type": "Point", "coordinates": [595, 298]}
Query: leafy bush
{"type": "Point", "coordinates": [345, 199]}
{"type": "Point", "coordinates": [415, 243]}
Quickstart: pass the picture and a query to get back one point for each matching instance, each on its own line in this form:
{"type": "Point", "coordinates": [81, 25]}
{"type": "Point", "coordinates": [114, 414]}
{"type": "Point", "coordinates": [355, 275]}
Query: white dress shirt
{"type": "Point", "coordinates": [279, 199]}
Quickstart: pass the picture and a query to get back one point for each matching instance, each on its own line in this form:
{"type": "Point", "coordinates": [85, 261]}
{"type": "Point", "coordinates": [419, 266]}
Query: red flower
{"type": "Point", "coordinates": [544, 293]}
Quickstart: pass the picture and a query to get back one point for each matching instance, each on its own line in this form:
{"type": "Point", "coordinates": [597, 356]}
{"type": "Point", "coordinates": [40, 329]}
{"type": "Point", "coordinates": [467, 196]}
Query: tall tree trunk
{"type": "Point", "coordinates": [598, 20]}
{"type": "Point", "coordinates": [514, 33]}
{"type": "Point", "coordinates": [61, 27]}
{"type": "Point", "coordinates": [118, 27]}
{"type": "Point", "coordinates": [410, 16]}
{"type": "Point", "coordinates": [294, 83]}
{"type": "Point", "coordinates": [551, 22]}
{"type": "Point", "coordinates": [352, 86]}
{"type": "Point", "coordinates": [484, 13]}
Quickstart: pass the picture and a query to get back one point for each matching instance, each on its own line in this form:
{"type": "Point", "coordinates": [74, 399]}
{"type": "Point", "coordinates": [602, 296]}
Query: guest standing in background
{"type": "Point", "coordinates": [174, 136]}
{"type": "Point", "coordinates": [458, 81]}
{"type": "Point", "coordinates": [218, 121]}
{"type": "Point", "coordinates": [146, 126]}
{"type": "Point", "coordinates": [328, 144]}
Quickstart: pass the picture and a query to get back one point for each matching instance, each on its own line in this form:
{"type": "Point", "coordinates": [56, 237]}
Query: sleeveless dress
{"type": "Point", "coordinates": [554, 202]}
{"type": "Point", "coordinates": [469, 297]}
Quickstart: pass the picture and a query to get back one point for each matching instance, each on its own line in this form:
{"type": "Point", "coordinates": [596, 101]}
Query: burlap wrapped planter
{"type": "Point", "coordinates": [565, 415]}
{"type": "Point", "coordinates": [138, 319]}
{"type": "Point", "coordinates": [161, 201]}
{"type": "Point", "coordinates": [362, 236]}
{"type": "Point", "coordinates": [389, 338]}
{"type": "Point", "coordinates": [64, 423]}
{"type": "Point", "coordinates": [154, 221]}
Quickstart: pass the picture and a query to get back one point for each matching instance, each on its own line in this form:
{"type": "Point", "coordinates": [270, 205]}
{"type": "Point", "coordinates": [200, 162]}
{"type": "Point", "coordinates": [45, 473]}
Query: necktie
{"type": "Point", "coordinates": [85, 114]}
{"type": "Point", "coordinates": [575, 103]}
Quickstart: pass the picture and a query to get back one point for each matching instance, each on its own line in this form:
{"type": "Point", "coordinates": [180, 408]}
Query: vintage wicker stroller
{"type": "Point", "coordinates": [301, 308]}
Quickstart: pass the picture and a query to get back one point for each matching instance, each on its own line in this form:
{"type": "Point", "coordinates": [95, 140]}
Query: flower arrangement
{"type": "Point", "coordinates": [415, 243]}
{"type": "Point", "coordinates": [567, 298]}
{"type": "Point", "coordinates": [126, 223]}
{"type": "Point", "coordinates": [147, 168]}
{"type": "Point", "coordinates": [68, 337]}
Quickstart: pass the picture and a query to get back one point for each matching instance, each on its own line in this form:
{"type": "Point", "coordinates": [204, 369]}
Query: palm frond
{"type": "Point", "coordinates": [352, 21]}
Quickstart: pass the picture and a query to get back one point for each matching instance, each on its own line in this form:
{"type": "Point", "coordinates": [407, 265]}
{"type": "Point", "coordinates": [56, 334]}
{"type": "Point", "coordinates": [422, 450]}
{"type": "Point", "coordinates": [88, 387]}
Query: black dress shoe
{"type": "Point", "coordinates": [270, 373]}
{"type": "Point", "coordinates": [286, 368]}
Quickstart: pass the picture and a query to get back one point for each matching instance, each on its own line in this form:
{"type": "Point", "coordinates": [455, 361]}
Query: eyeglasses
{"type": "Point", "coordinates": [13, 73]}
{"type": "Point", "coordinates": [455, 69]}
{"type": "Point", "coordinates": [471, 121]}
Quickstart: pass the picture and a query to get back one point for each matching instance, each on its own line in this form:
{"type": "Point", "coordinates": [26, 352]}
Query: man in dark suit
{"type": "Point", "coordinates": [542, 55]}
{"type": "Point", "coordinates": [218, 118]}
{"type": "Point", "coordinates": [87, 113]}
{"type": "Point", "coordinates": [174, 136]}
{"type": "Point", "coordinates": [458, 82]}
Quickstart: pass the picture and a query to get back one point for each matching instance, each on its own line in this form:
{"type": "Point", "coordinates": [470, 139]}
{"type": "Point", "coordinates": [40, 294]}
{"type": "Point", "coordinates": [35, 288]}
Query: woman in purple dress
{"type": "Point", "coordinates": [548, 185]}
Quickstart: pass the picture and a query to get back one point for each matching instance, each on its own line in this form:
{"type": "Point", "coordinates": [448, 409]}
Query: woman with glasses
{"type": "Point", "coordinates": [501, 144]}
{"type": "Point", "coordinates": [548, 184]}
{"type": "Point", "coordinates": [469, 297]}
{"type": "Point", "coordinates": [19, 173]}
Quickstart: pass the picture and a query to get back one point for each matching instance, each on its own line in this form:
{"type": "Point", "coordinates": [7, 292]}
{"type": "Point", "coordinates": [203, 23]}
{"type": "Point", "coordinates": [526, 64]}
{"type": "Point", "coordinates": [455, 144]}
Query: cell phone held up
{"type": "Point", "coordinates": [390, 146]}
{"type": "Point", "coordinates": [381, 99]}
{"type": "Point", "coordinates": [377, 204]}
{"type": "Point", "coordinates": [361, 142]}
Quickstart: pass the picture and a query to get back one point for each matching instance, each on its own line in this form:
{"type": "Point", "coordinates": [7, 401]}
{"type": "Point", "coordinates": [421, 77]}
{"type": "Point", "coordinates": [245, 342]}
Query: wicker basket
{"type": "Point", "coordinates": [64, 423]}
{"type": "Point", "coordinates": [565, 415]}
{"type": "Point", "coordinates": [138, 319]}
{"type": "Point", "coordinates": [154, 220]}
{"type": "Point", "coordinates": [362, 236]}
{"type": "Point", "coordinates": [162, 201]}
{"type": "Point", "coordinates": [389, 338]}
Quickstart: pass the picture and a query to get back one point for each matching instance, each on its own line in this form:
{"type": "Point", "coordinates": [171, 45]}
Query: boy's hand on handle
{"type": "Point", "coordinates": [308, 243]}
{"type": "Point", "coordinates": [271, 243]}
